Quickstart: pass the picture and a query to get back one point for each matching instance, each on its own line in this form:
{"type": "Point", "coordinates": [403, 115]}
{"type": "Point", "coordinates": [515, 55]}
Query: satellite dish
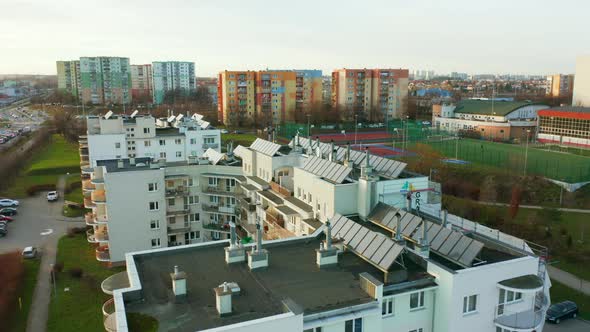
{"type": "Point", "coordinates": [134, 113]}
{"type": "Point", "coordinates": [171, 118]}
{"type": "Point", "coordinates": [179, 116]}
{"type": "Point", "coordinates": [108, 115]}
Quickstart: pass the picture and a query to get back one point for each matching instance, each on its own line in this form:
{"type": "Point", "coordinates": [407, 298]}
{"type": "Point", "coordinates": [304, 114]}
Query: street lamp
{"type": "Point", "coordinates": [526, 150]}
{"type": "Point", "coordinates": [308, 126]}
{"type": "Point", "coordinates": [407, 132]}
{"type": "Point", "coordinates": [355, 127]}
{"type": "Point", "coordinates": [456, 146]}
{"type": "Point", "coordinates": [393, 141]}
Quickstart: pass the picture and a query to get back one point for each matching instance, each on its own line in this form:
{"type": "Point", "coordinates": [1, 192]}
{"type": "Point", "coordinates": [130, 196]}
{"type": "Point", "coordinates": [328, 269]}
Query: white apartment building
{"type": "Point", "coordinates": [171, 76]}
{"type": "Point", "coordinates": [136, 136]}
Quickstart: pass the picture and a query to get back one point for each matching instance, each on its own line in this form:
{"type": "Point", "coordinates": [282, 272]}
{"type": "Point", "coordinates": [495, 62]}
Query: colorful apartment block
{"type": "Point", "coordinates": [141, 83]}
{"type": "Point", "coordinates": [173, 76]}
{"type": "Point", "coordinates": [68, 76]}
{"type": "Point", "coordinates": [267, 97]}
{"type": "Point", "coordinates": [105, 80]}
{"type": "Point", "coordinates": [370, 94]}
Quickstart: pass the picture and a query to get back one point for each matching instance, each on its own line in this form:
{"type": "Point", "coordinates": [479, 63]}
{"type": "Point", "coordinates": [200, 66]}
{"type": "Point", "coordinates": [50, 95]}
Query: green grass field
{"type": "Point", "coordinates": [555, 165]}
{"type": "Point", "coordinates": [84, 299]}
{"type": "Point", "coordinates": [19, 320]}
{"type": "Point", "coordinates": [58, 158]}
{"type": "Point", "coordinates": [238, 139]}
{"type": "Point", "coordinates": [560, 293]}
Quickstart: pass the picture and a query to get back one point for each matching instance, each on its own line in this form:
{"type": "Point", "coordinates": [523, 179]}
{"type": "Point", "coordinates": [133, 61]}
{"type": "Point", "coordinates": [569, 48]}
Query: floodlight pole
{"type": "Point", "coordinates": [526, 150]}
{"type": "Point", "coordinates": [355, 127]}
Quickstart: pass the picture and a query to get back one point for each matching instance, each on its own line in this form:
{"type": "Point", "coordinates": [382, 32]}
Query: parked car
{"type": "Point", "coordinates": [3, 231]}
{"type": "Point", "coordinates": [8, 212]}
{"type": "Point", "coordinates": [5, 218]}
{"type": "Point", "coordinates": [560, 311]}
{"type": "Point", "coordinates": [5, 202]}
{"type": "Point", "coordinates": [224, 131]}
{"type": "Point", "coordinates": [30, 252]}
{"type": "Point", "coordinates": [3, 223]}
{"type": "Point", "coordinates": [52, 196]}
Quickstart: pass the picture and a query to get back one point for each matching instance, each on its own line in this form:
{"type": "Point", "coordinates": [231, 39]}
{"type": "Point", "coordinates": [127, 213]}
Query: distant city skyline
{"type": "Point", "coordinates": [522, 37]}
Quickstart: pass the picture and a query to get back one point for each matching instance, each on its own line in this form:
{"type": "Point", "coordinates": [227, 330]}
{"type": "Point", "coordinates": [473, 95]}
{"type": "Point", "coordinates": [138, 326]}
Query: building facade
{"type": "Point", "coordinates": [371, 94]}
{"type": "Point", "coordinates": [105, 80]}
{"type": "Point", "coordinates": [141, 83]}
{"type": "Point", "coordinates": [582, 82]}
{"type": "Point", "coordinates": [559, 85]}
{"type": "Point", "coordinates": [569, 126]}
{"type": "Point", "coordinates": [173, 76]}
{"type": "Point", "coordinates": [267, 97]}
{"type": "Point", "coordinates": [493, 120]}
{"type": "Point", "coordinates": [68, 77]}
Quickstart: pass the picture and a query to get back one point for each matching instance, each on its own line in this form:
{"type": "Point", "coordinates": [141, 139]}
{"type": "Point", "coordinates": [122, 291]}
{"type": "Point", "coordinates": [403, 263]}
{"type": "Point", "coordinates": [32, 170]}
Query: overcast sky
{"type": "Point", "coordinates": [515, 36]}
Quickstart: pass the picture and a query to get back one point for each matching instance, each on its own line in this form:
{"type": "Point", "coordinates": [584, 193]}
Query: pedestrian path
{"type": "Point", "coordinates": [569, 280]}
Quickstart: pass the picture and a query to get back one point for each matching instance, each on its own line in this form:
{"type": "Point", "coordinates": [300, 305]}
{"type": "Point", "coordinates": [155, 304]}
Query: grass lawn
{"type": "Point", "coordinates": [560, 292]}
{"type": "Point", "coordinates": [58, 158]}
{"type": "Point", "coordinates": [141, 323]}
{"type": "Point", "coordinates": [19, 320]}
{"type": "Point", "coordinates": [79, 308]}
{"type": "Point", "coordinates": [555, 165]}
{"type": "Point", "coordinates": [239, 139]}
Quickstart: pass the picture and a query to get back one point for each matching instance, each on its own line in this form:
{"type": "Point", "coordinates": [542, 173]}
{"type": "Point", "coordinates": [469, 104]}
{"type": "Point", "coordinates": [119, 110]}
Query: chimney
{"type": "Point", "coordinates": [424, 245]}
{"type": "Point", "coordinates": [223, 299]}
{"type": "Point", "coordinates": [327, 254]}
{"type": "Point", "coordinates": [235, 253]}
{"type": "Point", "coordinates": [444, 218]}
{"type": "Point", "coordinates": [347, 161]}
{"type": "Point", "coordinates": [367, 170]}
{"type": "Point", "coordinates": [258, 257]}
{"type": "Point", "coordinates": [398, 233]}
{"type": "Point", "coordinates": [178, 282]}
{"type": "Point", "coordinates": [409, 202]}
{"type": "Point", "coordinates": [274, 136]}
{"type": "Point", "coordinates": [120, 163]}
{"type": "Point", "coordinates": [331, 155]}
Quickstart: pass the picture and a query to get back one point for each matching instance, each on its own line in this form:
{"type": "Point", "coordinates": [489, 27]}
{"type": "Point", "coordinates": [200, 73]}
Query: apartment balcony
{"type": "Point", "coordinates": [90, 219]}
{"type": "Point", "coordinates": [103, 254]}
{"type": "Point", "coordinates": [246, 204]}
{"type": "Point", "coordinates": [114, 282]}
{"type": "Point", "coordinates": [109, 318]}
{"type": "Point", "coordinates": [96, 237]}
{"type": "Point", "coordinates": [217, 226]}
{"type": "Point", "coordinates": [88, 204]}
{"type": "Point", "coordinates": [97, 180]}
{"type": "Point", "coordinates": [87, 170]}
{"type": "Point", "coordinates": [87, 185]}
{"type": "Point", "coordinates": [210, 146]}
{"type": "Point", "coordinates": [98, 197]}
{"type": "Point", "coordinates": [529, 320]}
{"type": "Point", "coordinates": [83, 151]}
{"type": "Point", "coordinates": [171, 212]}
{"type": "Point", "coordinates": [275, 219]}
{"type": "Point", "coordinates": [177, 191]}
{"type": "Point", "coordinates": [177, 230]}
{"type": "Point", "coordinates": [280, 189]}
{"type": "Point", "coordinates": [221, 209]}
{"type": "Point", "coordinates": [90, 236]}
{"type": "Point", "coordinates": [84, 160]}
{"type": "Point", "coordinates": [216, 191]}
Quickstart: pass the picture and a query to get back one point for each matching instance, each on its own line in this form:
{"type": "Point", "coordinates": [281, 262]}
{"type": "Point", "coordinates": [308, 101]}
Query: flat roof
{"type": "Point", "coordinates": [271, 196]}
{"type": "Point", "coordinates": [292, 274]}
{"type": "Point", "coordinates": [299, 203]}
{"type": "Point", "coordinates": [484, 107]}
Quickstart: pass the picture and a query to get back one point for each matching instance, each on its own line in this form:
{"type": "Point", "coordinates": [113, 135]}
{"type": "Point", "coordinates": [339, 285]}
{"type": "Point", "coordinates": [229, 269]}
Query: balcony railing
{"type": "Point", "coordinates": [280, 189]}
{"type": "Point", "coordinates": [98, 197]}
{"type": "Point", "coordinates": [246, 204]}
{"type": "Point", "coordinates": [109, 318]}
{"type": "Point", "coordinates": [90, 219]}
{"type": "Point", "coordinates": [177, 212]}
{"type": "Point", "coordinates": [175, 230]}
{"type": "Point", "coordinates": [529, 319]}
{"type": "Point", "coordinates": [178, 191]}
{"type": "Point", "coordinates": [275, 219]}
{"type": "Point", "coordinates": [103, 254]}
{"type": "Point", "coordinates": [90, 236]}
{"type": "Point", "coordinates": [218, 191]}
{"type": "Point", "coordinates": [87, 185]}
{"type": "Point", "coordinates": [219, 226]}
{"type": "Point", "coordinates": [88, 203]}
{"type": "Point", "coordinates": [219, 209]}
{"type": "Point", "coordinates": [210, 145]}
{"type": "Point", "coordinates": [114, 282]}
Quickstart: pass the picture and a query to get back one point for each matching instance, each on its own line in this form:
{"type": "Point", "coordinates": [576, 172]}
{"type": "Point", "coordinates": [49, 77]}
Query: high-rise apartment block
{"type": "Point", "coordinates": [581, 95]}
{"type": "Point", "coordinates": [68, 77]}
{"type": "Point", "coordinates": [141, 83]}
{"type": "Point", "coordinates": [370, 94]}
{"type": "Point", "coordinates": [267, 97]}
{"type": "Point", "coordinates": [559, 85]}
{"type": "Point", "coordinates": [105, 80]}
{"type": "Point", "coordinates": [173, 76]}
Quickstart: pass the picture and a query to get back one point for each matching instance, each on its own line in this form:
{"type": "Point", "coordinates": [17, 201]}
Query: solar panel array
{"type": "Point", "coordinates": [387, 167]}
{"type": "Point", "coordinates": [213, 156]}
{"type": "Point", "coordinates": [264, 146]}
{"type": "Point", "coordinates": [445, 242]}
{"type": "Point", "coordinates": [376, 248]}
{"type": "Point", "coordinates": [239, 151]}
{"type": "Point", "coordinates": [327, 169]}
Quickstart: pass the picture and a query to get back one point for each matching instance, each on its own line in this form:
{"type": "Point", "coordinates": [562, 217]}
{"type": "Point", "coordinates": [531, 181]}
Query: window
{"type": "Point", "coordinates": [117, 145]}
{"type": "Point", "coordinates": [387, 306]}
{"type": "Point", "coordinates": [193, 141]}
{"type": "Point", "coordinates": [194, 217]}
{"type": "Point", "coordinates": [162, 154]}
{"type": "Point", "coordinates": [214, 199]}
{"type": "Point", "coordinates": [209, 140]}
{"type": "Point", "coordinates": [355, 325]}
{"type": "Point", "coordinates": [193, 200]}
{"type": "Point", "coordinates": [147, 143]}
{"type": "Point", "coordinates": [171, 201]}
{"type": "Point", "coordinates": [162, 142]}
{"type": "Point", "coordinates": [193, 182]}
{"type": "Point", "coordinates": [417, 300]}
{"type": "Point", "coordinates": [469, 304]}
{"type": "Point", "coordinates": [509, 296]}
{"type": "Point", "coordinates": [154, 206]}
{"type": "Point", "coordinates": [155, 243]}
{"type": "Point", "coordinates": [213, 181]}
{"type": "Point", "coordinates": [178, 154]}
{"type": "Point", "coordinates": [146, 130]}
{"type": "Point", "coordinates": [171, 220]}
{"type": "Point", "coordinates": [153, 186]}
{"type": "Point", "coordinates": [155, 224]}
{"type": "Point", "coordinates": [178, 141]}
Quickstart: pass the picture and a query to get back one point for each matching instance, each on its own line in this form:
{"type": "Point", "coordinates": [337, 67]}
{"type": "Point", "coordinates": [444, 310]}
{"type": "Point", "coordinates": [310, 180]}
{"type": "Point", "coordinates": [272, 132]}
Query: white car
{"type": "Point", "coordinates": [30, 252]}
{"type": "Point", "coordinates": [52, 196]}
{"type": "Point", "coordinates": [5, 202]}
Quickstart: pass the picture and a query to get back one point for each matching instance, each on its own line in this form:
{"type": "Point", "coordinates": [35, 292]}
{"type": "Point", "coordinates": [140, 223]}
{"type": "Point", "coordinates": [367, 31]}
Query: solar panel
{"type": "Point", "coordinates": [359, 237]}
{"type": "Point", "coordinates": [265, 147]}
{"type": "Point", "coordinates": [351, 233]}
{"type": "Point", "coordinates": [460, 247]}
{"type": "Point", "coordinates": [451, 241]}
{"type": "Point", "coordinates": [213, 156]}
{"type": "Point", "coordinates": [412, 226]}
{"type": "Point", "coordinates": [327, 169]}
{"type": "Point", "coordinates": [374, 245]}
{"type": "Point", "coordinates": [366, 242]}
{"type": "Point", "coordinates": [440, 238]}
{"type": "Point", "coordinates": [470, 253]}
{"type": "Point", "coordinates": [382, 250]}
{"type": "Point", "coordinates": [240, 151]}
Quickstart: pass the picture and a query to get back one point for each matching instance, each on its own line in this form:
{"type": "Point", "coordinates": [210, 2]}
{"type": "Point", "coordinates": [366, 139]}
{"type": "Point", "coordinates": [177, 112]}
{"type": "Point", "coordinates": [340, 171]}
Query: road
{"type": "Point", "coordinates": [570, 325]}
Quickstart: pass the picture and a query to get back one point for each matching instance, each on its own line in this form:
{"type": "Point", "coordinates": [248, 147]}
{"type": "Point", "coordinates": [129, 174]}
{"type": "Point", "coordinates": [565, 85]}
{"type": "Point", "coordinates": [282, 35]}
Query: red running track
{"type": "Point", "coordinates": [349, 137]}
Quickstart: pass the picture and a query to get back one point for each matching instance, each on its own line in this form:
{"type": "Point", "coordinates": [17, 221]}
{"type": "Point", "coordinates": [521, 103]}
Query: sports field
{"type": "Point", "coordinates": [383, 150]}
{"type": "Point", "coordinates": [371, 136]}
{"type": "Point", "coordinates": [555, 165]}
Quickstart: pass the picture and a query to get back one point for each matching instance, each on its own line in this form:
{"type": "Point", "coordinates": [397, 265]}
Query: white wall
{"type": "Point", "coordinates": [582, 82]}
{"type": "Point", "coordinates": [388, 191]}
{"type": "Point", "coordinates": [404, 319]}
{"type": "Point", "coordinates": [287, 322]}
{"type": "Point", "coordinates": [102, 147]}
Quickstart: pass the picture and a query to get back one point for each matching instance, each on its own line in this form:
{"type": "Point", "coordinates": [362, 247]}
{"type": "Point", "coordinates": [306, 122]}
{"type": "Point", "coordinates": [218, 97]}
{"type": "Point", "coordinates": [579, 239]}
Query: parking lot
{"type": "Point", "coordinates": [570, 325]}
{"type": "Point", "coordinates": [16, 120]}
{"type": "Point", "coordinates": [36, 222]}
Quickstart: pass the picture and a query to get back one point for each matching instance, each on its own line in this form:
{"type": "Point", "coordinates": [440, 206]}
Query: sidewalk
{"type": "Point", "coordinates": [569, 280]}
{"type": "Point", "coordinates": [37, 321]}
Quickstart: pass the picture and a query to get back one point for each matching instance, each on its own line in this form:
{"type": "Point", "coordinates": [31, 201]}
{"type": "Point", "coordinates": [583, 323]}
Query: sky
{"type": "Point", "coordinates": [516, 36]}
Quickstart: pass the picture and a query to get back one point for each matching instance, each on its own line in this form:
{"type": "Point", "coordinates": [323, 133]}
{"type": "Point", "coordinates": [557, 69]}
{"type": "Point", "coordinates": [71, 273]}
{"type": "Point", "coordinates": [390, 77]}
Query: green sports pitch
{"type": "Point", "coordinates": [511, 157]}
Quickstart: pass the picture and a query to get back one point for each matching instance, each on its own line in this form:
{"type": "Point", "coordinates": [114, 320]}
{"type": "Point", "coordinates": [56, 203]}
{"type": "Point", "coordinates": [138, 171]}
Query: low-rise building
{"type": "Point", "coordinates": [491, 119]}
{"type": "Point", "coordinates": [559, 85]}
{"type": "Point", "coordinates": [569, 126]}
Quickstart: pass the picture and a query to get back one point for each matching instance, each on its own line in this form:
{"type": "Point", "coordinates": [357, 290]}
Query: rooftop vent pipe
{"type": "Point", "coordinates": [235, 252]}
{"type": "Point", "coordinates": [178, 282]}
{"type": "Point", "coordinates": [327, 254]}
{"type": "Point", "coordinates": [398, 227]}
{"type": "Point", "coordinates": [223, 301]}
{"type": "Point", "coordinates": [258, 257]}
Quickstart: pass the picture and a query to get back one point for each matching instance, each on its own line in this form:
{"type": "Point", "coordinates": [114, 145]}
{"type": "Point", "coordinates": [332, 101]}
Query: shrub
{"type": "Point", "coordinates": [58, 267]}
{"type": "Point", "coordinates": [32, 190]}
{"type": "Point", "coordinates": [76, 272]}
{"type": "Point", "coordinates": [73, 231]}
{"type": "Point", "coordinates": [11, 279]}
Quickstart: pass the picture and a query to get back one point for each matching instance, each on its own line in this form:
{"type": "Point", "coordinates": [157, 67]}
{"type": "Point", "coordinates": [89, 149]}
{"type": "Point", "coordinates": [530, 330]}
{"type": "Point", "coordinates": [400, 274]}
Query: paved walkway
{"type": "Point", "coordinates": [569, 280]}
{"type": "Point", "coordinates": [536, 207]}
